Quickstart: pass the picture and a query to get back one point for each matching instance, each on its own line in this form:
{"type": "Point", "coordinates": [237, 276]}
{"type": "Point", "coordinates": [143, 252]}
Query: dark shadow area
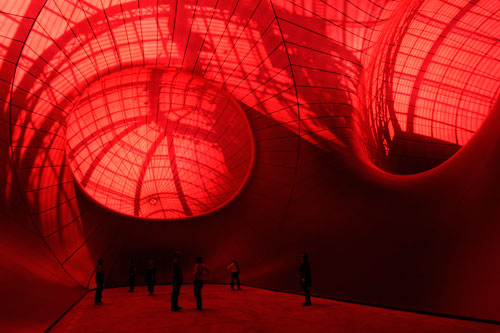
{"type": "Point", "coordinates": [410, 153]}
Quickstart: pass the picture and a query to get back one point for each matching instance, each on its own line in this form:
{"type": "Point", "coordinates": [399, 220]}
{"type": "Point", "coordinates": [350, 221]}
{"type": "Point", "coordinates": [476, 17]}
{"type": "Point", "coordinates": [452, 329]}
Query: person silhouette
{"type": "Point", "coordinates": [305, 278]}
{"type": "Point", "coordinates": [177, 281]}
{"type": "Point", "coordinates": [234, 268]}
{"type": "Point", "coordinates": [99, 280]}
{"type": "Point", "coordinates": [200, 272]}
{"type": "Point", "coordinates": [151, 276]}
{"type": "Point", "coordinates": [131, 275]}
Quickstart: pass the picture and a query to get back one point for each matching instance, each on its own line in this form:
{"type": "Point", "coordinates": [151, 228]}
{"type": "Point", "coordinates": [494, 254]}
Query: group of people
{"type": "Point", "coordinates": [200, 272]}
{"type": "Point", "coordinates": [150, 276]}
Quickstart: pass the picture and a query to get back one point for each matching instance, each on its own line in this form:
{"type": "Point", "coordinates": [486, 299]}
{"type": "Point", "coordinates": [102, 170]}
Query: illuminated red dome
{"type": "Point", "coordinates": [159, 144]}
{"type": "Point", "coordinates": [433, 79]}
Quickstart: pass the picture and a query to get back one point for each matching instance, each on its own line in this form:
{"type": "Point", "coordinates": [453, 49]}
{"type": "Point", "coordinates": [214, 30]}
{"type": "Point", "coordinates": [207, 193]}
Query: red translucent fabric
{"type": "Point", "coordinates": [434, 71]}
{"type": "Point", "coordinates": [316, 79]}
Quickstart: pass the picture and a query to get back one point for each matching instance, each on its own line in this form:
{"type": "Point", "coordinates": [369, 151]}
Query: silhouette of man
{"type": "Point", "coordinates": [235, 273]}
{"type": "Point", "coordinates": [151, 276]}
{"type": "Point", "coordinates": [305, 278]}
{"type": "Point", "coordinates": [200, 273]}
{"type": "Point", "coordinates": [99, 280]}
{"type": "Point", "coordinates": [131, 276]}
{"type": "Point", "coordinates": [176, 283]}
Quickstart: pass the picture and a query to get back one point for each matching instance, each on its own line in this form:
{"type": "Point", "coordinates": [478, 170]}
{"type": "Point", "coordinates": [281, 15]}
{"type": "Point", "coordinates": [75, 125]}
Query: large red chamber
{"type": "Point", "coordinates": [362, 132]}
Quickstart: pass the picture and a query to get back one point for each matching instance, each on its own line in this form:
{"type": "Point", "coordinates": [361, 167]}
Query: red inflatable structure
{"type": "Point", "coordinates": [364, 132]}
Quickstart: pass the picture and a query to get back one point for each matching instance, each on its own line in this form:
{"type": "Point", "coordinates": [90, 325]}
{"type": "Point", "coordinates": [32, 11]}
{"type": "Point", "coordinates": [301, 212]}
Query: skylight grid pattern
{"type": "Point", "coordinates": [159, 144]}
{"type": "Point", "coordinates": [437, 72]}
{"type": "Point", "coordinates": [297, 68]}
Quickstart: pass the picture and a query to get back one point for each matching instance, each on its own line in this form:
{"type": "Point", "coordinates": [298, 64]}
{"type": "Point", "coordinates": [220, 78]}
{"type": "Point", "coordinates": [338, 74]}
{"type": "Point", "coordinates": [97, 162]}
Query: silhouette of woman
{"type": "Point", "coordinates": [235, 273]}
{"type": "Point", "coordinates": [200, 273]}
{"type": "Point", "coordinates": [151, 276]}
{"type": "Point", "coordinates": [177, 281]}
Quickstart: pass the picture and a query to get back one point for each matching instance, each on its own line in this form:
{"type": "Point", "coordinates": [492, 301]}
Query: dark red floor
{"type": "Point", "coordinates": [249, 310]}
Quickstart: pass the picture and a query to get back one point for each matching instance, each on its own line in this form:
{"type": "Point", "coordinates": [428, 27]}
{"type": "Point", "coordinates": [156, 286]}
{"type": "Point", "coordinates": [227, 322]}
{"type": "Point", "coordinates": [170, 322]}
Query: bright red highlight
{"type": "Point", "coordinates": [433, 78]}
{"type": "Point", "coordinates": [159, 144]}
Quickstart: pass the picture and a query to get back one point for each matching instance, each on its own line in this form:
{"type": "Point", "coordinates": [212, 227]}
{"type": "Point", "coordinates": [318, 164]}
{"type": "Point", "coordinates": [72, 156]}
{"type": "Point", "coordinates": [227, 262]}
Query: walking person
{"type": "Point", "coordinates": [200, 273]}
{"type": "Point", "coordinates": [151, 276]}
{"type": "Point", "coordinates": [305, 278]}
{"type": "Point", "coordinates": [234, 268]}
{"type": "Point", "coordinates": [99, 280]}
{"type": "Point", "coordinates": [177, 281]}
{"type": "Point", "coordinates": [131, 276]}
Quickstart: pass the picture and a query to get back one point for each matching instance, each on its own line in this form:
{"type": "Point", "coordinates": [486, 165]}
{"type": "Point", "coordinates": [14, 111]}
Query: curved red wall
{"type": "Point", "coordinates": [304, 73]}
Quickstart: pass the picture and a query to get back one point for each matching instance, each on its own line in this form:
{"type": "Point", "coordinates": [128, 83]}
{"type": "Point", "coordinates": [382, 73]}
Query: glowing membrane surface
{"type": "Point", "coordinates": [435, 71]}
{"type": "Point", "coordinates": [159, 144]}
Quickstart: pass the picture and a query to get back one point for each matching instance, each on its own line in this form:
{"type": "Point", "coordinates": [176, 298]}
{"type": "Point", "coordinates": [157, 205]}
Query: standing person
{"type": "Point", "coordinates": [177, 281]}
{"type": "Point", "coordinates": [200, 273]}
{"type": "Point", "coordinates": [305, 278]}
{"type": "Point", "coordinates": [235, 273]}
{"type": "Point", "coordinates": [151, 276]}
{"type": "Point", "coordinates": [131, 276]}
{"type": "Point", "coordinates": [99, 280]}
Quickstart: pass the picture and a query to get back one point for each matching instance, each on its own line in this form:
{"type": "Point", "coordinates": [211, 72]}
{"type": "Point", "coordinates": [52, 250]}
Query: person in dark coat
{"type": "Point", "coordinates": [234, 268]}
{"type": "Point", "coordinates": [305, 278]}
{"type": "Point", "coordinates": [131, 276]}
{"type": "Point", "coordinates": [177, 281]}
{"type": "Point", "coordinates": [99, 280]}
{"type": "Point", "coordinates": [151, 276]}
